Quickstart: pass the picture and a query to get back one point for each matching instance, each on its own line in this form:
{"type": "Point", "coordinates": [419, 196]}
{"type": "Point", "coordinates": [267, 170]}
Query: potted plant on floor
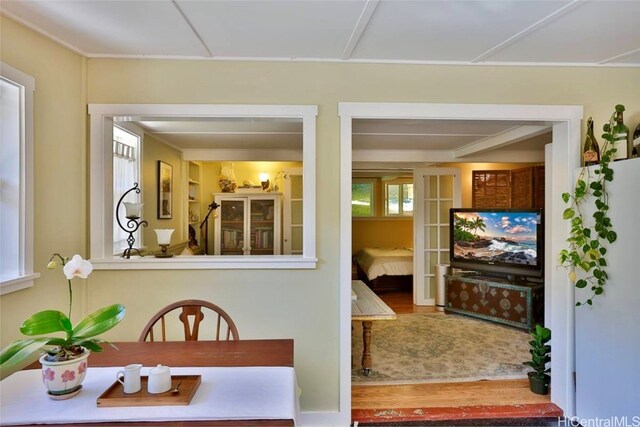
{"type": "Point", "coordinates": [539, 378]}
{"type": "Point", "coordinates": [64, 364]}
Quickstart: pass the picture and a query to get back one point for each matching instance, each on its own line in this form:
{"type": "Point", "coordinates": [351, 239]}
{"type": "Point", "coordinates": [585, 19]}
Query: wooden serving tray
{"type": "Point", "coordinates": [115, 395]}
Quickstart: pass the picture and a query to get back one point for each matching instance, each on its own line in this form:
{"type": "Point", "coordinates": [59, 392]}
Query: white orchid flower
{"type": "Point", "coordinates": [77, 267]}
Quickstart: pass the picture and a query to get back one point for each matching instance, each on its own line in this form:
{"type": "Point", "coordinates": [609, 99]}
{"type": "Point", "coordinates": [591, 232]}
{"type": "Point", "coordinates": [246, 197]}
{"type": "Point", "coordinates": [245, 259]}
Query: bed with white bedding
{"type": "Point", "coordinates": [385, 268]}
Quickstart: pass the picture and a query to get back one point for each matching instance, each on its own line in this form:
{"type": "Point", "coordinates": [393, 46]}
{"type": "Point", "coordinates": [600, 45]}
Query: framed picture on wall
{"type": "Point", "coordinates": [165, 190]}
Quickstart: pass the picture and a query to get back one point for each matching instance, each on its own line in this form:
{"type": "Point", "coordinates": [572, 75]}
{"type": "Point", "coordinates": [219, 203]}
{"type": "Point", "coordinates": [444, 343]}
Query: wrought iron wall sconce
{"type": "Point", "coordinates": [133, 212]}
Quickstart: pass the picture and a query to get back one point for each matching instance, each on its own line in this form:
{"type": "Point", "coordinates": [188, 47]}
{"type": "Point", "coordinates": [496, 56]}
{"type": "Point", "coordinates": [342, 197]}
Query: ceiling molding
{"type": "Point", "coordinates": [373, 61]}
{"type": "Point", "coordinates": [530, 29]}
{"type": "Point", "coordinates": [361, 25]}
{"type": "Point", "coordinates": [504, 139]}
{"type": "Point", "coordinates": [39, 30]}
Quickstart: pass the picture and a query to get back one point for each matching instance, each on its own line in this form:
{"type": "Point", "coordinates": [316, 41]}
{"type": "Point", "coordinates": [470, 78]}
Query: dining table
{"type": "Point", "coordinates": [243, 382]}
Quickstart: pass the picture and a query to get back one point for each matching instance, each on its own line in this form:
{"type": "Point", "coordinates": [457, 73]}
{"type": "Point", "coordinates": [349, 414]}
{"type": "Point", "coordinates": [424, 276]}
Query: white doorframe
{"type": "Point", "coordinates": [559, 298]}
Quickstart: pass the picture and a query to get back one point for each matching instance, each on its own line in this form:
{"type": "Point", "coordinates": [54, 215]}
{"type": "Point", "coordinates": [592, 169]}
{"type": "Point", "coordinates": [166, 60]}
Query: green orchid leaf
{"type": "Point", "coordinates": [19, 350]}
{"type": "Point", "coordinates": [46, 322]}
{"type": "Point", "coordinates": [99, 321]}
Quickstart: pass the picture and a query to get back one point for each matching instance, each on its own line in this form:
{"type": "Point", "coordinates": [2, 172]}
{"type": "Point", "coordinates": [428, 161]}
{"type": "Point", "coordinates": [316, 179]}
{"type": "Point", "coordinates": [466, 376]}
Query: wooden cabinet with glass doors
{"type": "Point", "coordinates": [248, 224]}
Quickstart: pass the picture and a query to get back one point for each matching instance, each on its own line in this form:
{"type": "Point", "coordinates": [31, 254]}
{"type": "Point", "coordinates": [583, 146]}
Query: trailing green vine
{"type": "Point", "coordinates": [587, 251]}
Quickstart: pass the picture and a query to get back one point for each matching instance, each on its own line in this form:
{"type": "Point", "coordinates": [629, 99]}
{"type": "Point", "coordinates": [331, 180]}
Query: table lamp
{"type": "Point", "coordinates": [264, 180]}
{"type": "Point", "coordinates": [164, 239]}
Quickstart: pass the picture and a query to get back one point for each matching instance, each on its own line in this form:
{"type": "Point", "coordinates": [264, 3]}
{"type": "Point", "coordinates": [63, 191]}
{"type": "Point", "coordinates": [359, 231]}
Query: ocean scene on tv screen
{"type": "Point", "coordinates": [501, 237]}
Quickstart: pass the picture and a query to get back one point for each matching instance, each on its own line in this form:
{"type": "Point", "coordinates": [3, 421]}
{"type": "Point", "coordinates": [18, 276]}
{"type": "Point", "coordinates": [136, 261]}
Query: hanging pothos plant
{"type": "Point", "coordinates": [587, 239]}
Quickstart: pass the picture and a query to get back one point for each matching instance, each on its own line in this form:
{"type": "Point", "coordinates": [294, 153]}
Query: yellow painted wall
{"type": "Point", "coordinates": [154, 150]}
{"type": "Point", "coordinates": [381, 233]}
{"type": "Point", "coordinates": [300, 304]}
{"type": "Point", "coordinates": [60, 174]}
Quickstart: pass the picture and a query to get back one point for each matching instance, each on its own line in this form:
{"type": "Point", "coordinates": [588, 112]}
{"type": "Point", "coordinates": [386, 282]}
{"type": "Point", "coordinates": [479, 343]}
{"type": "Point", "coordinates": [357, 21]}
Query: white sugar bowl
{"type": "Point", "coordinates": [159, 379]}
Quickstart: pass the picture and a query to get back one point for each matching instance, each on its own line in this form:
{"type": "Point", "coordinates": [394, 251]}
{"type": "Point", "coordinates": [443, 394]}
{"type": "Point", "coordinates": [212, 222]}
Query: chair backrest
{"type": "Point", "coordinates": [192, 308]}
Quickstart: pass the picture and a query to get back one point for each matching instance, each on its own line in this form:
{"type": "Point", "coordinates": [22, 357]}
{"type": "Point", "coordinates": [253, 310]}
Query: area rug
{"type": "Point", "coordinates": [420, 348]}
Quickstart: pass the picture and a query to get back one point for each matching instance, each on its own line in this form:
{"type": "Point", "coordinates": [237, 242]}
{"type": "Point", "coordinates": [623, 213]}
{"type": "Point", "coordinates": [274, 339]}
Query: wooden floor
{"type": "Point", "coordinates": [439, 395]}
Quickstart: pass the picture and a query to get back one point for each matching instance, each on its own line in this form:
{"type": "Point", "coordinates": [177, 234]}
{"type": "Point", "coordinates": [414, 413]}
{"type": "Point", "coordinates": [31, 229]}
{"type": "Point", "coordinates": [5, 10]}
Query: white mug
{"type": "Point", "coordinates": [131, 377]}
{"type": "Point", "coordinates": [159, 379]}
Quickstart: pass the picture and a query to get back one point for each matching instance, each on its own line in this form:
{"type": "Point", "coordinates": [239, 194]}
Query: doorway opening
{"type": "Point", "coordinates": [559, 159]}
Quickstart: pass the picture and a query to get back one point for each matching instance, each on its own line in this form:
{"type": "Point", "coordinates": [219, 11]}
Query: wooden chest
{"type": "Point", "coordinates": [518, 304]}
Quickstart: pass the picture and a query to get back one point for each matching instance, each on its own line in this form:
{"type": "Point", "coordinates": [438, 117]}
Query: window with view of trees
{"type": "Point", "coordinates": [363, 198]}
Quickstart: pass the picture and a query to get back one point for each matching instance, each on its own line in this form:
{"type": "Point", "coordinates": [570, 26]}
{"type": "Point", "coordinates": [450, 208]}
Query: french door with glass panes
{"type": "Point", "coordinates": [436, 191]}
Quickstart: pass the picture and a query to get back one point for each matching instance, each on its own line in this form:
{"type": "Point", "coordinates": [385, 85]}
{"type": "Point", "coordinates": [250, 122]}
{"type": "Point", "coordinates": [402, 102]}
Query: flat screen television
{"type": "Point", "coordinates": [502, 242]}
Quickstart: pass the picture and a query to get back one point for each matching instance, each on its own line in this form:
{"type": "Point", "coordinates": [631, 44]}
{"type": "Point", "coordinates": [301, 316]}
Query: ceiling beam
{"type": "Point", "coordinates": [193, 29]}
{"type": "Point", "coordinates": [361, 25]}
{"type": "Point", "coordinates": [530, 29]}
{"type": "Point", "coordinates": [395, 157]}
{"type": "Point", "coordinates": [622, 55]}
{"type": "Point", "coordinates": [503, 139]}
{"type": "Point", "coordinates": [242, 155]}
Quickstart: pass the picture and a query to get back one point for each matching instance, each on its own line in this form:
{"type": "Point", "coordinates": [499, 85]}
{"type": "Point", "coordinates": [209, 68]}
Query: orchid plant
{"type": "Point", "coordinates": [77, 339]}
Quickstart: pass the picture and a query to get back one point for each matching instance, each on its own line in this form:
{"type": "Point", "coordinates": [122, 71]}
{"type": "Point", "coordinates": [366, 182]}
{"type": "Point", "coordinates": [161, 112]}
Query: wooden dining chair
{"type": "Point", "coordinates": [192, 308]}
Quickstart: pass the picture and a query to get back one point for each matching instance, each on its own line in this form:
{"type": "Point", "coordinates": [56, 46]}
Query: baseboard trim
{"type": "Point", "coordinates": [381, 416]}
{"type": "Point", "coordinates": [324, 419]}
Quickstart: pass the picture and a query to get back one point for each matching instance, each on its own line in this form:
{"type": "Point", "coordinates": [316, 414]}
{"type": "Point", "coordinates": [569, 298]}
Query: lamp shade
{"type": "Point", "coordinates": [133, 210]}
{"type": "Point", "coordinates": [163, 235]}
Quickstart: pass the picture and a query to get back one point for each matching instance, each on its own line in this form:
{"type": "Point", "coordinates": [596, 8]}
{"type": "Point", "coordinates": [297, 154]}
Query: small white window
{"type": "Point", "coordinates": [398, 199]}
{"type": "Point", "coordinates": [126, 172]}
{"type": "Point", "coordinates": [16, 179]}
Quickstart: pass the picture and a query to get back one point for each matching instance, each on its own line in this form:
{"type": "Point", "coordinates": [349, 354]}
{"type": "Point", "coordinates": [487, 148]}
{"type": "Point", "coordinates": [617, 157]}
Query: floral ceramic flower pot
{"type": "Point", "coordinates": [64, 378]}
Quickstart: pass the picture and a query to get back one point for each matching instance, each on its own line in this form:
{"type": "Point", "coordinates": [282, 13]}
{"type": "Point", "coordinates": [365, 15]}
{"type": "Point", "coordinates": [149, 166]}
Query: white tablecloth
{"type": "Point", "coordinates": [224, 394]}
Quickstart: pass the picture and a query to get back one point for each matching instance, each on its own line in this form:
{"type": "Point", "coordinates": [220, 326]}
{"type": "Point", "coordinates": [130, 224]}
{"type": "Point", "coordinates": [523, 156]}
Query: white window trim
{"type": "Point", "coordinates": [101, 119]}
{"type": "Point", "coordinates": [26, 243]}
{"type": "Point", "coordinates": [385, 185]}
{"type": "Point", "coordinates": [139, 132]}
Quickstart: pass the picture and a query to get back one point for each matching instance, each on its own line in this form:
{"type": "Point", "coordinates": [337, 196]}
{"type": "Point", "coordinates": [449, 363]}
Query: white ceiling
{"type": "Point", "coordinates": [551, 32]}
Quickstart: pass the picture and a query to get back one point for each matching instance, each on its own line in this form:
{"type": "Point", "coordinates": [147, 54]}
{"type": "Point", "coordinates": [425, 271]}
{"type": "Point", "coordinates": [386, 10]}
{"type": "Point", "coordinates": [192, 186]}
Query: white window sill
{"type": "Point", "coordinates": [18, 283]}
{"type": "Point", "coordinates": [382, 218]}
{"type": "Point", "coordinates": [205, 262]}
